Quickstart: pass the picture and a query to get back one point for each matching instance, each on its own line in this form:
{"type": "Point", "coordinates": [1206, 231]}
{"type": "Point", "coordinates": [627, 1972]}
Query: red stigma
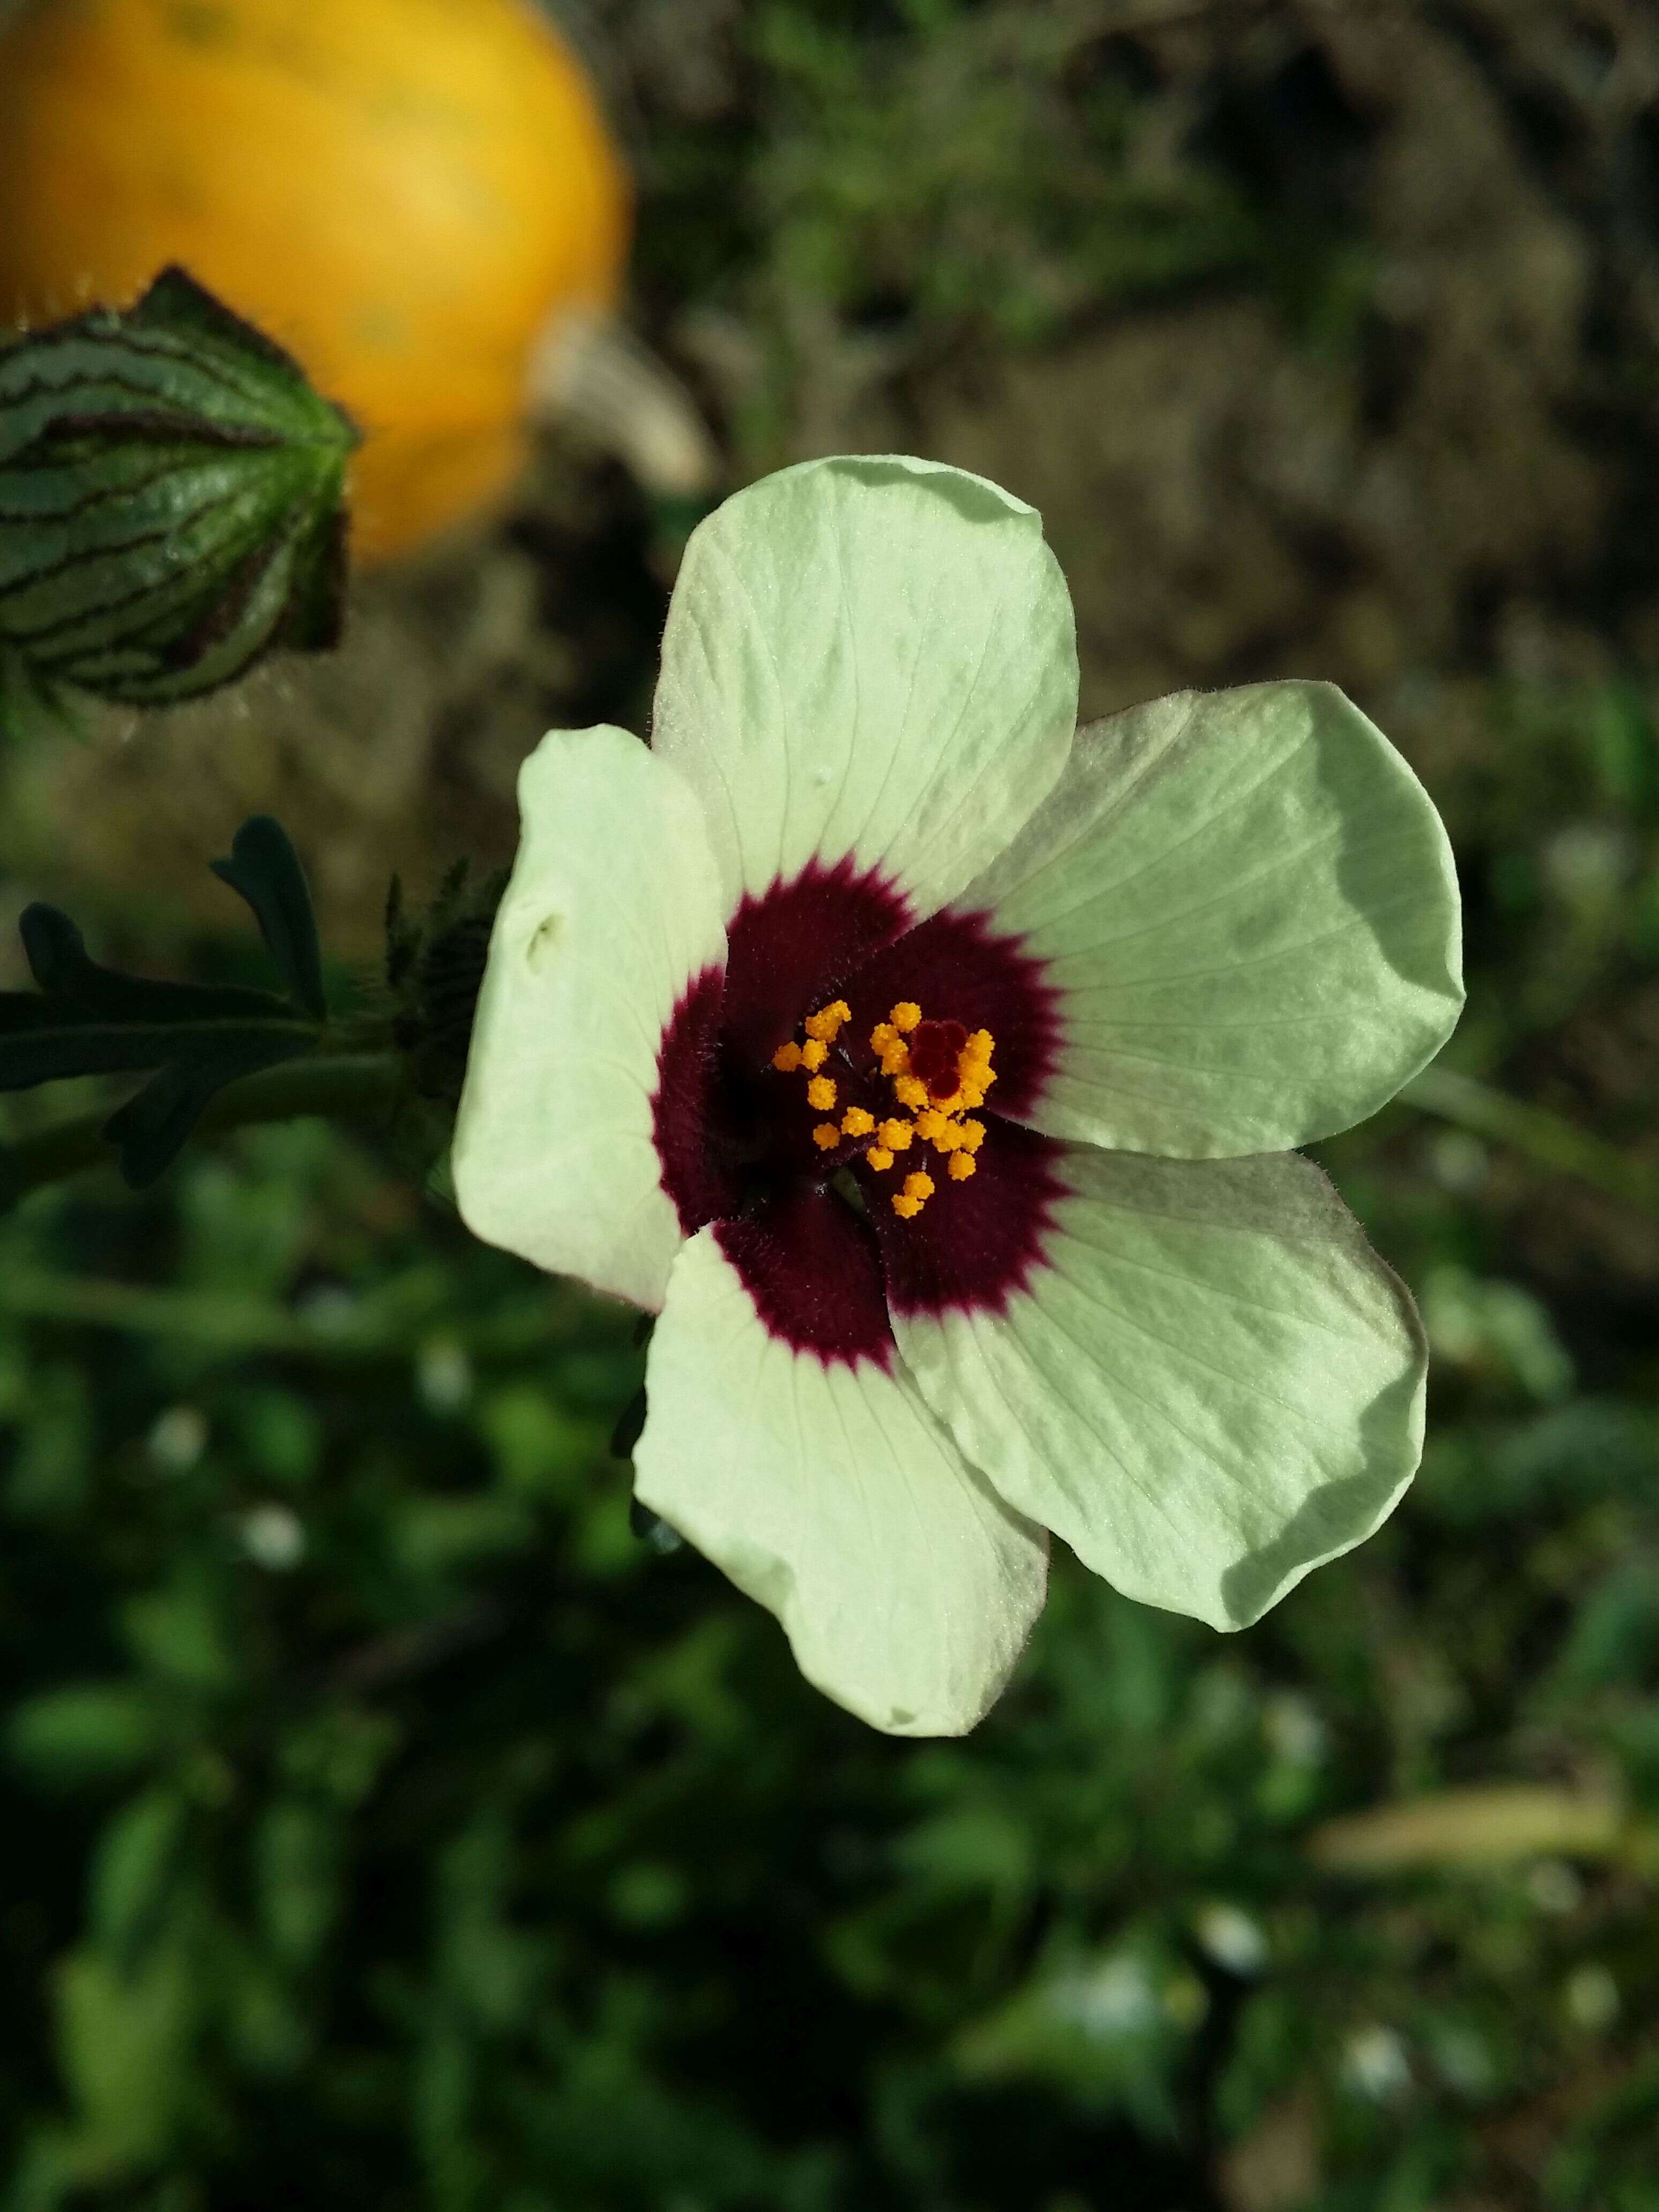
{"type": "Point", "coordinates": [935, 1049]}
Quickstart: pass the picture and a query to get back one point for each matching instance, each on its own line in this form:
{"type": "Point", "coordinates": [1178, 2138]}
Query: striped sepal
{"type": "Point", "coordinates": [171, 494]}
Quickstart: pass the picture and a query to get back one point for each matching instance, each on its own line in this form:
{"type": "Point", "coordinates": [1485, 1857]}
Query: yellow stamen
{"type": "Point", "coordinates": [937, 1121]}
{"type": "Point", "coordinates": [908, 1202]}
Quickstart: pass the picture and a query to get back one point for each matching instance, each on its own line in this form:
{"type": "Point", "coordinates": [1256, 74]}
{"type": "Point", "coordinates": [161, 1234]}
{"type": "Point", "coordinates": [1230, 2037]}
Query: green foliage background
{"type": "Point", "coordinates": [385, 1823]}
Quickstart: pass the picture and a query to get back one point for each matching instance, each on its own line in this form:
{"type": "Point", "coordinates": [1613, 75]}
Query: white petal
{"type": "Point", "coordinates": [1211, 1386]}
{"type": "Point", "coordinates": [612, 910]}
{"type": "Point", "coordinates": [1247, 907]}
{"type": "Point", "coordinates": [830, 1494]}
{"type": "Point", "coordinates": [871, 660]}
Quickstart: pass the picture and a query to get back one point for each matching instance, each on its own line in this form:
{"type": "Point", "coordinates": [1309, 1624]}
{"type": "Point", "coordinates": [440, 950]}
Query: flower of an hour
{"type": "Point", "coordinates": [930, 1066]}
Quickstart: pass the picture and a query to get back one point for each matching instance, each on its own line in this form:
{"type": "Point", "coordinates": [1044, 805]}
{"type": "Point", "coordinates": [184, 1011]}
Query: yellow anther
{"type": "Point", "coordinates": [909, 1091]}
{"type": "Point", "coordinates": [973, 1135]}
{"type": "Point", "coordinates": [918, 1187]}
{"type": "Point", "coordinates": [882, 1035]}
{"type": "Point", "coordinates": [967, 1098]}
{"type": "Point", "coordinates": [855, 1122]}
{"type": "Point", "coordinates": [821, 1093]}
{"type": "Point", "coordinates": [895, 1057]}
{"type": "Point", "coordinates": [879, 1158]}
{"type": "Point", "coordinates": [787, 1058]}
{"type": "Point", "coordinates": [813, 1054]}
{"type": "Point", "coordinates": [962, 1166]}
{"type": "Point", "coordinates": [906, 1015]}
{"type": "Point", "coordinates": [896, 1135]}
{"type": "Point", "coordinates": [949, 1138]}
{"type": "Point", "coordinates": [826, 1136]}
{"type": "Point", "coordinates": [974, 1073]}
{"type": "Point", "coordinates": [828, 1019]}
{"type": "Point", "coordinates": [906, 1208]}
{"type": "Point", "coordinates": [930, 1122]}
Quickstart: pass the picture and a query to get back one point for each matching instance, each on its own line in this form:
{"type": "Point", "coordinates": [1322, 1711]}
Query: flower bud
{"type": "Point", "coordinates": [170, 500]}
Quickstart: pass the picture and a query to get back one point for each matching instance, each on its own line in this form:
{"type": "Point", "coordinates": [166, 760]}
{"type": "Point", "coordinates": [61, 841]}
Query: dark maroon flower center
{"type": "Point", "coordinates": [789, 1113]}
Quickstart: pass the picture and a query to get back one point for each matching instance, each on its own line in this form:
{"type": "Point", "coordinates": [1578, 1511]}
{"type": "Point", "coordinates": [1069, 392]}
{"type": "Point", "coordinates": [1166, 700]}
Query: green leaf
{"type": "Point", "coordinates": [297, 1855]}
{"type": "Point", "coordinates": [1106, 2029]}
{"type": "Point", "coordinates": [153, 1126]}
{"type": "Point", "coordinates": [265, 869]}
{"type": "Point", "coordinates": [133, 1870]}
{"type": "Point", "coordinates": [86, 1732]}
{"type": "Point", "coordinates": [88, 1019]}
{"type": "Point", "coordinates": [171, 494]}
{"type": "Point", "coordinates": [123, 2043]}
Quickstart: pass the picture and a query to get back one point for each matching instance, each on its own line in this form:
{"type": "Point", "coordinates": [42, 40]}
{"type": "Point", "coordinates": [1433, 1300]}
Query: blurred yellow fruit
{"type": "Point", "coordinates": [408, 194]}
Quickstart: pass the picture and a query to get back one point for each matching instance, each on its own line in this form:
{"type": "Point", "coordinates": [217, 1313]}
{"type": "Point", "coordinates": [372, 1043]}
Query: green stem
{"type": "Point", "coordinates": [226, 1324]}
{"type": "Point", "coordinates": [382, 1330]}
{"type": "Point", "coordinates": [1535, 1133]}
{"type": "Point", "coordinates": [339, 1086]}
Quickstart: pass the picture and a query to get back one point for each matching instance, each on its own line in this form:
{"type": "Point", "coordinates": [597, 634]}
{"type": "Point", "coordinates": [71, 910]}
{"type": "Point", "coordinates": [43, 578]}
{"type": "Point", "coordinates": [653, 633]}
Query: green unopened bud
{"type": "Point", "coordinates": [171, 494]}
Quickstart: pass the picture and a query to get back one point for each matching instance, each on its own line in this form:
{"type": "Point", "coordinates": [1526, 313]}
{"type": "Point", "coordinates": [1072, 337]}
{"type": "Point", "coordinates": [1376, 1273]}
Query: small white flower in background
{"type": "Point", "coordinates": [1374, 2063]}
{"type": "Point", "coordinates": [1111, 1999]}
{"type": "Point", "coordinates": [1229, 1937]}
{"type": "Point", "coordinates": [929, 1066]}
{"type": "Point", "coordinates": [1294, 1731]}
{"type": "Point", "coordinates": [273, 1537]}
{"type": "Point", "coordinates": [1555, 1886]}
{"type": "Point", "coordinates": [179, 1438]}
{"type": "Point", "coordinates": [1591, 1997]}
